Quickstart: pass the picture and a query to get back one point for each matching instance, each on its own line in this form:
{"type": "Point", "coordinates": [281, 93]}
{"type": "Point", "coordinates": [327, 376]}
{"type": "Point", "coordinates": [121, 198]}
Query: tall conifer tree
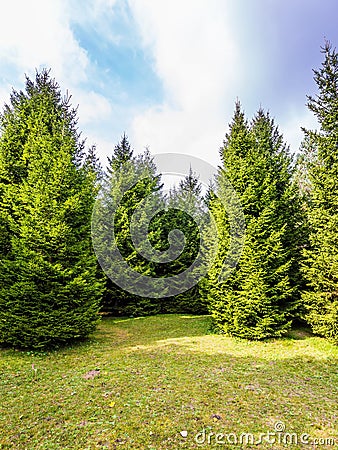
{"type": "Point", "coordinates": [129, 180]}
{"type": "Point", "coordinates": [321, 256]}
{"type": "Point", "coordinates": [259, 299]}
{"type": "Point", "coordinates": [48, 290]}
{"type": "Point", "coordinates": [186, 212]}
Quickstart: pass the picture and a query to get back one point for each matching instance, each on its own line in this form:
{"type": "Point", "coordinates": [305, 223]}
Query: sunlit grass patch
{"type": "Point", "coordinates": [140, 383]}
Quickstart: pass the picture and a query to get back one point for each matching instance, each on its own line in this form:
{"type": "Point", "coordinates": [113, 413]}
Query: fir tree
{"type": "Point", "coordinates": [93, 166]}
{"type": "Point", "coordinates": [129, 180]}
{"type": "Point", "coordinates": [259, 299]}
{"type": "Point", "coordinates": [122, 154]}
{"type": "Point", "coordinates": [321, 256]}
{"type": "Point", "coordinates": [48, 290]}
{"type": "Point", "coordinates": [186, 213]}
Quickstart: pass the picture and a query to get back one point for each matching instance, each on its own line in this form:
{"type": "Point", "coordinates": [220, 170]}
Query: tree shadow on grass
{"type": "Point", "coordinates": [147, 330]}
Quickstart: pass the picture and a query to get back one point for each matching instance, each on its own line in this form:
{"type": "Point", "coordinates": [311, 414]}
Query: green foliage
{"type": "Point", "coordinates": [128, 182]}
{"type": "Point", "coordinates": [259, 299]}
{"type": "Point", "coordinates": [185, 212]}
{"type": "Point", "coordinates": [132, 194]}
{"type": "Point", "coordinates": [51, 284]}
{"type": "Point", "coordinates": [321, 255]}
{"type": "Point", "coordinates": [48, 290]}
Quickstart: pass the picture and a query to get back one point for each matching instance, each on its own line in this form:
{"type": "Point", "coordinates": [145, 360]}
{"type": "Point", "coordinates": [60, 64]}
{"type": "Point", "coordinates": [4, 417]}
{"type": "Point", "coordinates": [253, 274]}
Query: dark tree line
{"type": "Point", "coordinates": [52, 287]}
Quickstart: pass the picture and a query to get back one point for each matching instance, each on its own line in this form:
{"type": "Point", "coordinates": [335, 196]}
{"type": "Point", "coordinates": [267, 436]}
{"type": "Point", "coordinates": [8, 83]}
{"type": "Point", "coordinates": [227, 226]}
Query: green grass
{"type": "Point", "coordinates": [163, 375]}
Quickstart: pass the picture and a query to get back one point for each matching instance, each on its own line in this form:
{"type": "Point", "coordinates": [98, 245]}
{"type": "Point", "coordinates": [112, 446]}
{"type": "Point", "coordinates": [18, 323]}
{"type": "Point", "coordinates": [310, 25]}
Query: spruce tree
{"type": "Point", "coordinates": [259, 299]}
{"type": "Point", "coordinates": [122, 154]}
{"type": "Point", "coordinates": [49, 294]}
{"type": "Point", "coordinates": [185, 212]}
{"type": "Point", "coordinates": [321, 255]}
{"type": "Point", "coordinates": [93, 167]}
{"type": "Point", "coordinates": [128, 182]}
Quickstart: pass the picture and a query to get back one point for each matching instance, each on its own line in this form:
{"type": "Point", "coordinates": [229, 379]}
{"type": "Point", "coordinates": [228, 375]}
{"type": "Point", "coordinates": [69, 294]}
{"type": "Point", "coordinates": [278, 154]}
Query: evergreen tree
{"type": "Point", "coordinates": [48, 290]}
{"type": "Point", "coordinates": [122, 154]}
{"type": "Point", "coordinates": [129, 180]}
{"type": "Point", "coordinates": [321, 256]}
{"type": "Point", "coordinates": [185, 212]}
{"type": "Point", "coordinates": [93, 167]}
{"type": "Point", "coordinates": [259, 299]}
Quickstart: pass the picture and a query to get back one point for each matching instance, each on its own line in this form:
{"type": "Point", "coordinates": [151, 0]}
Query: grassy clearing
{"type": "Point", "coordinates": [160, 376]}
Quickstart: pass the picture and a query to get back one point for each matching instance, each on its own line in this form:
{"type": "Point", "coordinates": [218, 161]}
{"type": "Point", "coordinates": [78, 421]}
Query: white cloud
{"type": "Point", "coordinates": [104, 147]}
{"type": "Point", "coordinates": [37, 33]}
{"type": "Point", "coordinates": [206, 57]}
{"type": "Point", "coordinates": [41, 36]}
{"type": "Point", "coordinates": [5, 91]}
{"type": "Point", "coordinates": [291, 127]}
{"type": "Point", "coordinates": [93, 107]}
{"type": "Point", "coordinates": [196, 58]}
{"type": "Point", "coordinates": [201, 54]}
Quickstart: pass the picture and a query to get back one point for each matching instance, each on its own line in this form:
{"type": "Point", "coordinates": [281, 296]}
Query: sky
{"type": "Point", "coordinates": [168, 73]}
